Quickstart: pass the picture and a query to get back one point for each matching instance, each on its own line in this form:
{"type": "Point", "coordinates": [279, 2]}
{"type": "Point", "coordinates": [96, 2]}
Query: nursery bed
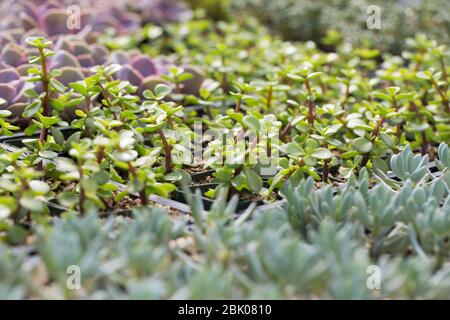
{"type": "Point", "coordinates": [178, 201]}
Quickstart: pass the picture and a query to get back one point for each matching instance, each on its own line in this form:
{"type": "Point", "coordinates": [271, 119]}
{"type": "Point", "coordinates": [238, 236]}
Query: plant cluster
{"type": "Point", "coordinates": [324, 115]}
{"type": "Point", "coordinates": [319, 244]}
{"type": "Point", "coordinates": [349, 148]}
{"type": "Point", "coordinates": [89, 18]}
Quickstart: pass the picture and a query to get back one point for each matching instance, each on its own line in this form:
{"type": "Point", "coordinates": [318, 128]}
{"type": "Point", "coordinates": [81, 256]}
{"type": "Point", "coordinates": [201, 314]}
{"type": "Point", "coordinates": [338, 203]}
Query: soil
{"type": "Point", "coordinates": [195, 169]}
{"type": "Point", "coordinates": [251, 197]}
{"type": "Point", "coordinates": [126, 204]}
{"type": "Point", "coordinates": [203, 180]}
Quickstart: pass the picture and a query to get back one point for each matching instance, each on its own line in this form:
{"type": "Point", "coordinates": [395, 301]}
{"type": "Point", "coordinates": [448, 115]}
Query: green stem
{"type": "Point", "coordinates": [444, 70]}
{"type": "Point", "coordinates": [237, 108]}
{"type": "Point", "coordinates": [142, 194]}
{"type": "Point", "coordinates": [82, 193]}
{"type": "Point", "coordinates": [167, 151]}
{"type": "Point", "coordinates": [46, 98]}
{"type": "Point", "coordinates": [285, 131]}
{"type": "Point", "coordinates": [326, 171]}
{"type": "Point", "coordinates": [269, 98]}
{"type": "Point", "coordinates": [375, 133]}
{"type": "Point", "coordinates": [88, 111]}
{"type": "Point", "coordinates": [310, 103]}
{"type": "Point", "coordinates": [444, 100]}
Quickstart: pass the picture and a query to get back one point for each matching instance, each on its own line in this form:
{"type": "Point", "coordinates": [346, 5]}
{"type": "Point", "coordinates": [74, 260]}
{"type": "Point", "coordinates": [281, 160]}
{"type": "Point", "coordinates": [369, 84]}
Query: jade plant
{"type": "Point", "coordinates": [245, 147]}
{"type": "Point", "coordinates": [92, 181]}
{"type": "Point", "coordinates": [300, 162]}
{"type": "Point", "coordinates": [164, 118]}
{"type": "Point", "coordinates": [23, 194]}
{"type": "Point", "coordinates": [304, 75]}
{"type": "Point", "coordinates": [6, 128]}
{"type": "Point", "coordinates": [142, 178]}
{"type": "Point", "coordinates": [41, 107]}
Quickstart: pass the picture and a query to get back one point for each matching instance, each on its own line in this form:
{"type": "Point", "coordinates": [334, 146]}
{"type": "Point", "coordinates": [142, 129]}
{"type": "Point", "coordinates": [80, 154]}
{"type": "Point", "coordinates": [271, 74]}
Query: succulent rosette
{"type": "Point", "coordinates": [89, 18]}
{"type": "Point", "coordinates": [55, 18]}
{"type": "Point", "coordinates": [145, 73]}
{"type": "Point", "coordinates": [12, 88]}
{"type": "Point", "coordinates": [74, 57]}
{"type": "Point", "coordinates": [140, 70]}
{"type": "Point", "coordinates": [161, 11]}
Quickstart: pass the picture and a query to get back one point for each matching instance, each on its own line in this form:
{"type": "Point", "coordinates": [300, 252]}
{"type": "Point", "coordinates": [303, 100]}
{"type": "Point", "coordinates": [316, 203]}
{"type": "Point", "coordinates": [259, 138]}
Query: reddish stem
{"type": "Point", "coordinates": [326, 170]}
{"type": "Point", "coordinates": [167, 151]}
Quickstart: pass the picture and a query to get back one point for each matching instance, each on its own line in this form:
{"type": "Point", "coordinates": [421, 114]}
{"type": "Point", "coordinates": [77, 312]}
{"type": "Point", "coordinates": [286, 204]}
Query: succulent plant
{"type": "Point", "coordinates": [145, 73]}
{"type": "Point", "coordinates": [140, 70]}
{"type": "Point", "coordinates": [75, 58]}
{"type": "Point", "coordinates": [444, 157]}
{"type": "Point", "coordinates": [50, 18]}
{"type": "Point", "coordinates": [160, 11]}
{"type": "Point", "coordinates": [12, 89]}
{"type": "Point", "coordinates": [73, 51]}
{"type": "Point", "coordinates": [15, 56]}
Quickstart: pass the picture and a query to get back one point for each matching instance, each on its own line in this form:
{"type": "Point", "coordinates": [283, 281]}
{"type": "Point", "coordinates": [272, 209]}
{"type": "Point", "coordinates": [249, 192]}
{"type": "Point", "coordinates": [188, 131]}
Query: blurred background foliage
{"type": "Point", "coordinates": [320, 19]}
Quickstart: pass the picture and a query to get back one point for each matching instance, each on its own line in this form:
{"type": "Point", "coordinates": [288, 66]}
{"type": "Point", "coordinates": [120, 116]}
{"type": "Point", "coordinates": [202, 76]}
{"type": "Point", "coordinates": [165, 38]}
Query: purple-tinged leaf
{"type": "Point", "coordinates": [64, 59]}
{"type": "Point", "coordinates": [13, 55]}
{"type": "Point", "coordinates": [55, 22]}
{"type": "Point", "coordinates": [9, 75]}
{"type": "Point", "coordinates": [144, 65]}
{"type": "Point", "coordinates": [7, 92]}
{"type": "Point", "coordinates": [70, 74]}
{"type": "Point", "coordinates": [149, 83]}
{"type": "Point", "coordinates": [129, 74]}
{"type": "Point", "coordinates": [16, 109]}
{"type": "Point", "coordinates": [86, 60]}
{"type": "Point", "coordinates": [100, 54]}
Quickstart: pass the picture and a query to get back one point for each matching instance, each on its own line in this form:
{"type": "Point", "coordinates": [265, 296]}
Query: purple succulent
{"type": "Point", "coordinates": [139, 69]}
{"type": "Point", "coordinates": [73, 53]}
{"type": "Point", "coordinates": [145, 73]}
{"type": "Point", "coordinates": [161, 11]}
{"type": "Point", "coordinates": [16, 56]}
{"type": "Point", "coordinates": [50, 18]}
{"type": "Point", "coordinates": [12, 88]}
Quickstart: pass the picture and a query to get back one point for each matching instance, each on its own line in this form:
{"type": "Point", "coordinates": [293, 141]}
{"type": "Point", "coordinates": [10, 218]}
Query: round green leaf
{"type": "Point", "coordinates": [322, 153]}
{"type": "Point", "coordinates": [252, 122]}
{"type": "Point", "coordinates": [4, 113]}
{"type": "Point", "coordinates": [162, 90]}
{"type": "Point", "coordinates": [254, 180]}
{"type": "Point", "coordinates": [4, 212]}
{"type": "Point", "coordinates": [362, 145]}
{"type": "Point", "coordinates": [39, 186]}
{"type": "Point", "coordinates": [47, 154]}
{"type": "Point", "coordinates": [126, 156]}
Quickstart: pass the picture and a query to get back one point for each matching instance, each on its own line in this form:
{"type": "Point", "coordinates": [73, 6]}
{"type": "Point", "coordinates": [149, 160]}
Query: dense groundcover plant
{"type": "Point", "coordinates": [170, 156]}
